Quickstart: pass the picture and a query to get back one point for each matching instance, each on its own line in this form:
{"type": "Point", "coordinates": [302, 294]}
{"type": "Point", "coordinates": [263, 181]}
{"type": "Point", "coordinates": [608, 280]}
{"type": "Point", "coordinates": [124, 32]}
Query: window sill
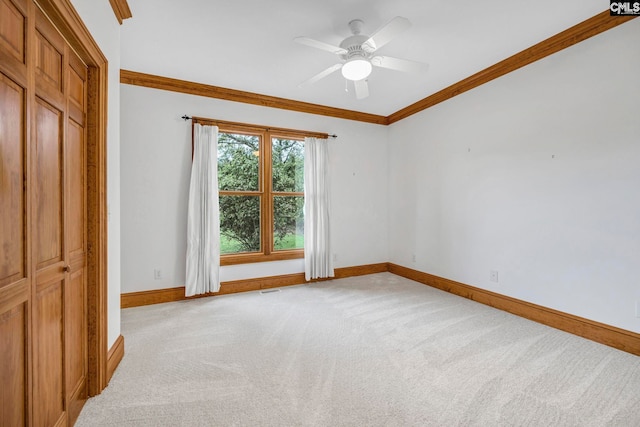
{"type": "Point", "coordinates": [255, 257]}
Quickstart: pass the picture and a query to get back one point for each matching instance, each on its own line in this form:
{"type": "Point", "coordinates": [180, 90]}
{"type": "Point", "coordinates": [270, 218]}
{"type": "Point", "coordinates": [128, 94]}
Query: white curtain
{"type": "Point", "coordinates": [203, 222]}
{"type": "Point", "coordinates": [317, 237]}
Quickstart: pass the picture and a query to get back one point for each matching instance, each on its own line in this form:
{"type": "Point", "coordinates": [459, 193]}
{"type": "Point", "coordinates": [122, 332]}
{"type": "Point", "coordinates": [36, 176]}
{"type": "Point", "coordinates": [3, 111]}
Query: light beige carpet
{"type": "Point", "coordinates": [376, 350]}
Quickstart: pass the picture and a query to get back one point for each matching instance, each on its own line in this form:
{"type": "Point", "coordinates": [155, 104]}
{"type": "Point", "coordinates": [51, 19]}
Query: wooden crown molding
{"type": "Point", "coordinates": [582, 31]}
{"type": "Point", "coordinates": [121, 10]}
{"type": "Point", "coordinates": [183, 86]}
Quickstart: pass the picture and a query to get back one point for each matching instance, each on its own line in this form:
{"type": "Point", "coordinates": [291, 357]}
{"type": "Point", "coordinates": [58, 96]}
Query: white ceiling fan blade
{"type": "Point", "coordinates": [362, 88]}
{"type": "Point", "coordinates": [386, 33]}
{"type": "Point", "coordinates": [399, 64]}
{"type": "Point", "coordinates": [320, 45]}
{"type": "Point", "coordinates": [321, 74]}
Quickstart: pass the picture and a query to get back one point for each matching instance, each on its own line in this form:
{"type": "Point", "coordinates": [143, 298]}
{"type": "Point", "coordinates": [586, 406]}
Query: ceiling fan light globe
{"type": "Point", "coordinates": [356, 69]}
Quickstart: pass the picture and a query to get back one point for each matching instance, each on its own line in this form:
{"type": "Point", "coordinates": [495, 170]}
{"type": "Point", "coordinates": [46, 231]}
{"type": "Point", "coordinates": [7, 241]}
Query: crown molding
{"type": "Point", "coordinates": [183, 86]}
{"type": "Point", "coordinates": [580, 32]}
{"type": "Point", "coordinates": [121, 9]}
{"type": "Point", "coordinates": [595, 25]}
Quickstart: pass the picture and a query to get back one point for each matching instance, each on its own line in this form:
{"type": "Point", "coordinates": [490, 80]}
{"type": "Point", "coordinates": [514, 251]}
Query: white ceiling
{"type": "Point", "coordinates": [248, 44]}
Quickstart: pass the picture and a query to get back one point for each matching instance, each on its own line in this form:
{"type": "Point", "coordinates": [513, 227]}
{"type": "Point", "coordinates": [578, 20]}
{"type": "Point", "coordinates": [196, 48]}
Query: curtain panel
{"type": "Point", "coordinates": [203, 216]}
{"type": "Point", "coordinates": [318, 261]}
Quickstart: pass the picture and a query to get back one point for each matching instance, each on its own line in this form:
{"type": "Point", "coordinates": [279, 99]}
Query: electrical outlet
{"type": "Point", "coordinates": [493, 276]}
{"type": "Point", "coordinates": [157, 274]}
{"type": "Point", "coordinates": [638, 308]}
{"type": "Point", "coordinates": [413, 257]}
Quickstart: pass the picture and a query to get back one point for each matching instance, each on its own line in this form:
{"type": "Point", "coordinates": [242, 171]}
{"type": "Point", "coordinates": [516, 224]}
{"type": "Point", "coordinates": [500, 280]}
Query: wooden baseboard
{"type": "Point", "coordinates": [361, 270]}
{"type": "Point", "coordinates": [599, 332]}
{"type": "Point", "coordinates": [114, 356]}
{"type": "Point", "coordinates": [136, 299]}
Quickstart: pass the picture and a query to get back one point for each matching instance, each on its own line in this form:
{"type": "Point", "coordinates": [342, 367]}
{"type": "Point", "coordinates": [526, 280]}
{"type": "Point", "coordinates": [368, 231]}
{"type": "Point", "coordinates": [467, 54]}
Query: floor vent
{"type": "Point", "coordinates": [269, 291]}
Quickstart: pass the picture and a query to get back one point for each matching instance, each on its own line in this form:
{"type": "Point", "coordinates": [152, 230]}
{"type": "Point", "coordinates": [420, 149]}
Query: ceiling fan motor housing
{"type": "Point", "coordinates": [358, 65]}
{"type": "Point", "coordinates": [353, 46]}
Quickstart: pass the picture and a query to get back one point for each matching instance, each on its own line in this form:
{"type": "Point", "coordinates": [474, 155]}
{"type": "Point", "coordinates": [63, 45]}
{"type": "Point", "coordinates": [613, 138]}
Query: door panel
{"type": "Point", "coordinates": [12, 178]}
{"type": "Point", "coordinates": [76, 194]}
{"type": "Point", "coordinates": [77, 90]}
{"type": "Point", "coordinates": [48, 352]}
{"type": "Point", "coordinates": [49, 53]}
{"type": "Point", "coordinates": [48, 61]}
{"type": "Point", "coordinates": [48, 182]}
{"type": "Point", "coordinates": [75, 332]}
{"type": "Point", "coordinates": [13, 366]}
{"type": "Point", "coordinates": [13, 29]}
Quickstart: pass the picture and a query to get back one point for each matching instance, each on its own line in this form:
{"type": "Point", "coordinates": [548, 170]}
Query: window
{"type": "Point", "coordinates": [261, 191]}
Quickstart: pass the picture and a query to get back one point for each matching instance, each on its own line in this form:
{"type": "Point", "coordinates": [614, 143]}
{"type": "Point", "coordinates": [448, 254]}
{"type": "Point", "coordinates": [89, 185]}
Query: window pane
{"type": "Point", "coordinates": [288, 222]}
{"type": "Point", "coordinates": [288, 165]}
{"type": "Point", "coordinates": [238, 162]}
{"type": "Point", "coordinates": [239, 224]}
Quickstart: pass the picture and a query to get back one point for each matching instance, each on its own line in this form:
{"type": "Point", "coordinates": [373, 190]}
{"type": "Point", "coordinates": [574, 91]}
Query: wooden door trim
{"type": "Point", "coordinates": [65, 18]}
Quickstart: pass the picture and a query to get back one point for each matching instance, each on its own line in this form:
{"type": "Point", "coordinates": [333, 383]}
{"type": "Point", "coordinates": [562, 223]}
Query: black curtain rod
{"type": "Point", "coordinates": [185, 118]}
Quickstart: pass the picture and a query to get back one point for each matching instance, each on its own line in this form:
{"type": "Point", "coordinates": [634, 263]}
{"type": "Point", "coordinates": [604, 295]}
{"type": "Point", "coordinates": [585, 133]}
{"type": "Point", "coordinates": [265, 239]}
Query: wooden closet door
{"type": "Point", "coordinates": [43, 222]}
{"type": "Point", "coordinates": [75, 314]}
{"type": "Point", "coordinates": [59, 230]}
{"type": "Point", "coordinates": [15, 277]}
{"type": "Point", "coordinates": [48, 228]}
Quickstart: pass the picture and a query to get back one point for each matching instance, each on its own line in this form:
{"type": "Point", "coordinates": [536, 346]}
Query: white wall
{"type": "Point", "coordinates": [535, 175]}
{"type": "Point", "coordinates": [155, 167]}
{"type": "Point", "coordinates": [103, 26]}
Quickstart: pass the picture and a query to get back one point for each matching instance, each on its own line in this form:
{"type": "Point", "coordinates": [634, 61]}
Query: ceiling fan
{"type": "Point", "coordinates": [357, 53]}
